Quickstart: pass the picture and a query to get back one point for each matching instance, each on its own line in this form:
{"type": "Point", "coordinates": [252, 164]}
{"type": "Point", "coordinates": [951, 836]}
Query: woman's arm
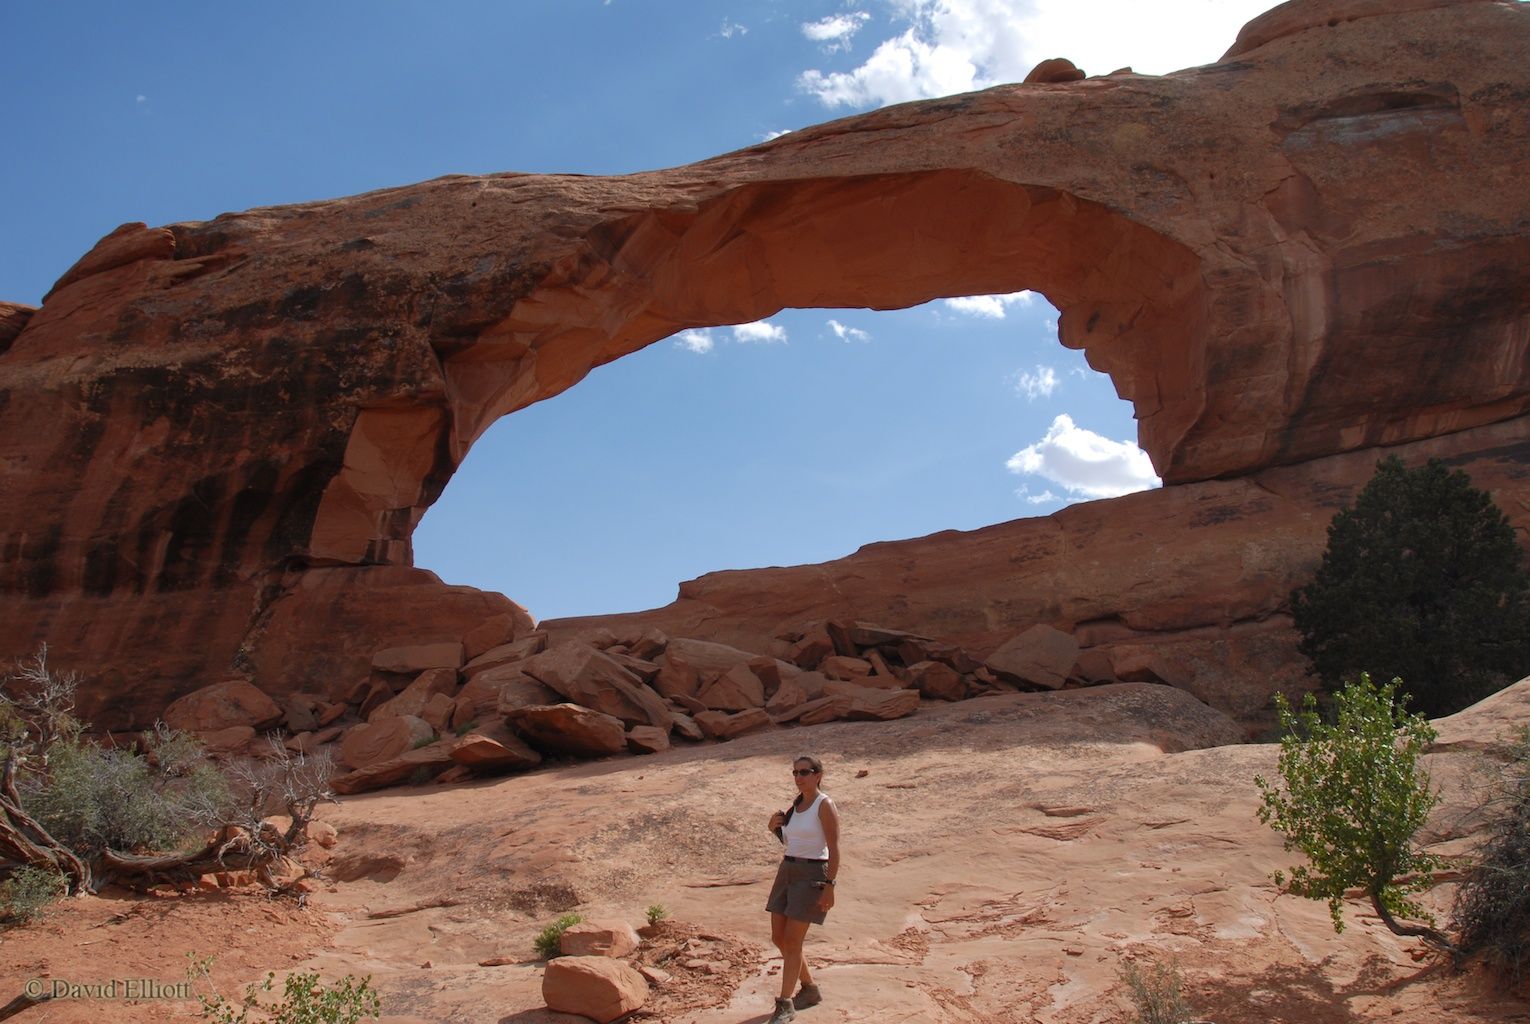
{"type": "Point", "coordinates": [828, 816]}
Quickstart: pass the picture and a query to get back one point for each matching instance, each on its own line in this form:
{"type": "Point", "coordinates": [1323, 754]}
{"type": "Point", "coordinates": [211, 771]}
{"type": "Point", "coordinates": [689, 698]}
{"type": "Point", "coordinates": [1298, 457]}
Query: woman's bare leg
{"type": "Point", "coordinates": [792, 967]}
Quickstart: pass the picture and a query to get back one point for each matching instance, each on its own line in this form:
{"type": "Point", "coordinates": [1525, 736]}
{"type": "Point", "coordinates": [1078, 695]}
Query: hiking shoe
{"type": "Point", "coordinates": [784, 1012]}
{"type": "Point", "coordinates": [807, 995]}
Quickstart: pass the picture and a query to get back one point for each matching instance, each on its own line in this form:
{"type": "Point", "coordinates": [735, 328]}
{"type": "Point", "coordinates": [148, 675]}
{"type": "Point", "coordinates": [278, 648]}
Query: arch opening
{"type": "Point", "coordinates": [1127, 297]}
{"type": "Point", "coordinates": [792, 441]}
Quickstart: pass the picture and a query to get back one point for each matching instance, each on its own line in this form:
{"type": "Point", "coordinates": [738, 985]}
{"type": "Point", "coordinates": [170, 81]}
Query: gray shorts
{"type": "Point", "coordinates": [794, 892]}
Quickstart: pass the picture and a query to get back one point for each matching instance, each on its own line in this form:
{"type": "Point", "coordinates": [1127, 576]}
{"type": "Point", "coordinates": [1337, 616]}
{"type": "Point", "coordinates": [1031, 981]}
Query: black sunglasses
{"type": "Point", "coordinates": [804, 771]}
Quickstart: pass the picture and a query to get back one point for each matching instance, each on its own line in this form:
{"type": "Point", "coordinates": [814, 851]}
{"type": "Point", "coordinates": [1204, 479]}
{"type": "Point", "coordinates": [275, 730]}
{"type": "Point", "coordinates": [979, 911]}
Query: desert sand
{"type": "Point", "coordinates": [1003, 856]}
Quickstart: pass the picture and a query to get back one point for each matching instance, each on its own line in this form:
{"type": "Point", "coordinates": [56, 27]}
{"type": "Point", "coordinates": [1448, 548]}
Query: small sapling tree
{"type": "Point", "coordinates": [1351, 797]}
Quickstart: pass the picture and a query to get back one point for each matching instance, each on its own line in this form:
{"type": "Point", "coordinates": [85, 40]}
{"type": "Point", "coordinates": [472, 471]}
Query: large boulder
{"type": "Point", "coordinates": [371, 742]}
{"type": "Point", "coordinates": [596, 987]}
{"type": "Point", "coordinates": [829, 708]}
{"type": "Point", "coordinates": [496, 630]}
{"type": "Point", "coordinates": [719, 725]}
{"type": "Point", "coordinates": [418, 765]}
{"type": "Point", "coordinates": [493, 747]}
{"type": "Point", "coordinates": [498, 690]}
{"type": "Point", "coordinates": [570, 729]}
{"type": "Point", "coordinates": [518, 650]}
{"type": "Point", "coordinates": [1042, 655]}
{"type": "Point", "coordinates": [868, 703]}
{"type": "Point", "coordinates": [843, 666]}
{"type": "Point", "coordinates": [413, 698]}
{"type": "Point", "coordinates": [737, 689]}
{"type": "Point", "coordinates": [688, 665]}
{"type": "Point", "coordinates": [937, 681]}
{"type": "Point", "coordinates": [229, 742]}
{"type": "Point", "coordinates": [599, 937]}
{"type": "Point", "coordinates": [787, 696]}
{"type": "Point", "coordinates": [583, 675]}
{"type": "Point", "coordinates": [647, 739]}
{"type": "Point", "coordinates": [221, 706]}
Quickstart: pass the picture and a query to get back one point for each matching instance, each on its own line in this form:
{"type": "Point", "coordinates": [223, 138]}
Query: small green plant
{"type": "Point", "coordinates": [24, 895]}
{"type": "Point", "coordinates": [549, 941]}
{"type": "Point", "coordinates": [1156, 992]}
{"type": "Point", "coordinates": [657, 912]}
{"type": "Point", "coordinates": [1351, 799]}
{"type": "Point", "coordinates": [1491, 916]}
{"type": "Point", "coordinates": [304, 1000]}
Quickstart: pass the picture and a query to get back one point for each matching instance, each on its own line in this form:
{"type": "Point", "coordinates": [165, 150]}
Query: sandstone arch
{"type": "Point", "coordinates": [218, 437]}
{"type": "Point", "coordinates": [881, 241]}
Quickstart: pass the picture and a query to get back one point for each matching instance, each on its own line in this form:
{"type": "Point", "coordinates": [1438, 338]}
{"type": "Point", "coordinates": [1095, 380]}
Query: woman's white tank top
{"type": "Point", "coordinates": [804, 833]}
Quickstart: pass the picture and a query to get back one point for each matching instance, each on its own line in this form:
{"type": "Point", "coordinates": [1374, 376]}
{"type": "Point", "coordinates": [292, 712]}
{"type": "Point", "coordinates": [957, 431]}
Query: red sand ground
{"type": "Point", "coordinates": [1002, 858]}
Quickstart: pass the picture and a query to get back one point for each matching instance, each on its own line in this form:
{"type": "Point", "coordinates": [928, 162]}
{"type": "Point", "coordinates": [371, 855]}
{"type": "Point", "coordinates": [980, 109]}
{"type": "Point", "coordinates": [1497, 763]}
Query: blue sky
{"type": "Point", "coordinates": [795, 440]}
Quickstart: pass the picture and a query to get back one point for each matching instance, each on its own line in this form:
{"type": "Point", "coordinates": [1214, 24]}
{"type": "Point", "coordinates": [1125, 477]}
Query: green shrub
{"type": "Point", "coordinates": [24, 895]}
{"type": "Point", "coordinates": [1157, 993]}
{"type": "Point", "coordinates": [304, 1000]}
{"type": "Point", "coordinates": [657, 912]}
{"type": "Point", "coordinates": [1352, 797]}
{"type": "Point", "coordinates": [1422, 578]}
{"type": "Point", "coordinates": [93, 798]}
{"type": "Point", "coordinates": [549, 941]}
{"type": "Point", "coordinates": [1491, 916]}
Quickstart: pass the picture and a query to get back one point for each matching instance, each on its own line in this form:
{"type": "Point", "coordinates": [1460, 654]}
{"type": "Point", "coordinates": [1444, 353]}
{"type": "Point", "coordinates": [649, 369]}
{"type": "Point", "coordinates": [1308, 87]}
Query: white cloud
{"type": "Point", "coordinates": [835, 31]}
{"type": "Point", "coordinates": [1043, 498]}
{"type": "Point", "coordinates": [695, 340]}
{"type": "Point", "coordinates": [955, 46]}
{"type": "Point", "coordinates": [760, 330]}
{"type": "Point", "coordinates": [731, 28]}
{"type": "Point", "coordinates": [767, 136]}
{"type": "Point", "coordinates": [1036, 385]}
{"type": "Point", "coordinates": [990, 307]}
{"type": "Point", "coordinates": [844, 333]}
{"type": "Point", "coordinates": [1084, 463]}
{"type": "Point", "coordinates": [141, 98]}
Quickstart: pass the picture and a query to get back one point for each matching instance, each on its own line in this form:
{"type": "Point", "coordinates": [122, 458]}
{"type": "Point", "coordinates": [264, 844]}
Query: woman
{"type": "Point", "coordinates": [804, 888]}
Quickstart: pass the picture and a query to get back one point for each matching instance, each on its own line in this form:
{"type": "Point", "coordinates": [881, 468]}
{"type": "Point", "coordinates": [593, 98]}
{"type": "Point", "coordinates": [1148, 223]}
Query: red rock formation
{"type": "Point", "coordinates": [218, 436]}
{"type": "Point", "coordinates": [1186, 585]}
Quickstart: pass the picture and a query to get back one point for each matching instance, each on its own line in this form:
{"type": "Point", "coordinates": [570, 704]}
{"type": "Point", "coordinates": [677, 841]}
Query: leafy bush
{"type": "Point", "coordinates": [1491, 916]}
{"type": "Point", "coordinates": [1157, 993]}
{"type": "Point", "coordinates": [27, 892]}
{"type": "Point", "coordinates": [304, 1000]}
{"type": "Point", "coordinates": [92, 810]}
{"type": "Point", "coordinates": [1352, 798]}
{"type": "Point", "coordinates": [96, 798]}
{"type": "Point", "coordinates": [657, 912]}
{"type": "Point", "coordinates": [1422, 578]}
{"type": "Point", "coordinates": [549, 941]}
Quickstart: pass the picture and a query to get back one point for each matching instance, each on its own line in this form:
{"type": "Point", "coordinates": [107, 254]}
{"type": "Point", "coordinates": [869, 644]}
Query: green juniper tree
{"type": "Point", "coordinates": [1423, 579]}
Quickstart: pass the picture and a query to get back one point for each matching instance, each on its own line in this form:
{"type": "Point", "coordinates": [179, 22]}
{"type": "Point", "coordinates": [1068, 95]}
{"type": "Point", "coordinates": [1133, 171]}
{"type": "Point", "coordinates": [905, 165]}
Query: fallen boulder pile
{"type": "Point", "coordinates": [503, 698]}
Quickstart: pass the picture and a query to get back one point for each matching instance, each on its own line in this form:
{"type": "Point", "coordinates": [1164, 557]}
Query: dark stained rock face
{"type": "Point", "coordinates": [215, 437]}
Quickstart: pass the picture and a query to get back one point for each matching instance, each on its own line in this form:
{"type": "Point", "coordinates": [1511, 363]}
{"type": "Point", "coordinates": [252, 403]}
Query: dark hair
{"type": "Point", "coordinates": [812, 761]}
